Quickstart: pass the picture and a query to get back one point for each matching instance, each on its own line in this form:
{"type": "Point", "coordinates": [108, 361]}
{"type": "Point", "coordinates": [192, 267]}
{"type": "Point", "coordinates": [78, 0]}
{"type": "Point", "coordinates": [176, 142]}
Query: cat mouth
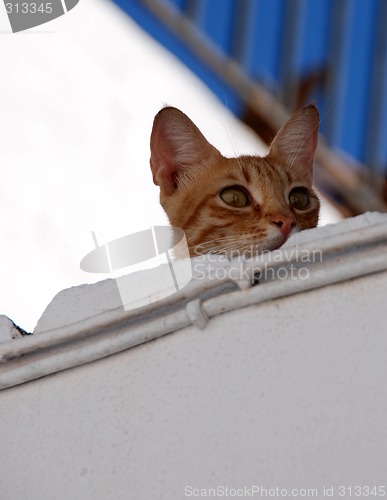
{"type": "Point", "coordinates": [274, 245]}
{"type": "Point", "coordinates": [282, 238]}
{"type": "Point", "coordinates": [248, 247]}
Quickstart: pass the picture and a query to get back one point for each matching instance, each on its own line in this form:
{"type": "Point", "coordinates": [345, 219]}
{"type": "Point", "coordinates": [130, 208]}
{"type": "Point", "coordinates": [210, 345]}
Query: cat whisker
{"type": "Point", "coordinates": [231, 139]}
{"type": "Point", "coordinates": [233, 246]}
{"type": "Point", "coordinates": [219, 238]}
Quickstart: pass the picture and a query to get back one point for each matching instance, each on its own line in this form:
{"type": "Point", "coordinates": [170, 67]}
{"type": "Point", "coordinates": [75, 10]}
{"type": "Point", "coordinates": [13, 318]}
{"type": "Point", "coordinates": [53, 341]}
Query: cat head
{"type": "Point", "coordinates": [242, 205]}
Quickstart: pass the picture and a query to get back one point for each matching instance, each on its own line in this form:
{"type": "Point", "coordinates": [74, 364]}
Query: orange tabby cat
{"type": "Point", "coordinates": [242, 205]}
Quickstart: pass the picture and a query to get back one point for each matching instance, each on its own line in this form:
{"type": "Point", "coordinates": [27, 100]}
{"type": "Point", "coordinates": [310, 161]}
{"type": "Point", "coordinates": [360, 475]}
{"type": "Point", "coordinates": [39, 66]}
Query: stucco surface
{"type": "Point", "coordinates": [290, 393]}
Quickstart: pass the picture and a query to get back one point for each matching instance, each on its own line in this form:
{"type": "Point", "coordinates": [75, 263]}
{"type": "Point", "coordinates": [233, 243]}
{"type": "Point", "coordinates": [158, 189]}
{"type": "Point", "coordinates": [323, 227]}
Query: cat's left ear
{"type": "Point", "coordinates": [296, 142]}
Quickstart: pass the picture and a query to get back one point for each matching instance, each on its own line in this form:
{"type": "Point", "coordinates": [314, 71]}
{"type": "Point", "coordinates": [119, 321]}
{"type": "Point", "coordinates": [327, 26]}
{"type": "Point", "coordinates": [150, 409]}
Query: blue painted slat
{"type": "Point", "coordinates": [243, 33]}
{"type": "Point", "coordinates": [315, 41]}
{"type": "Point", "coordinates": [381, 131]}
{"type": "Point", "coordinates": [377, 130]}
{"type": "Point", "coordinates": [260, 57]}
{"type": "Point", "coordinates": [354, 78]}
{"type": "Point", "coordinates": [314, 49]}
{"type": "Point", "coordinates": [179, 4]}
{"type": "Point", "coordinates": [291, 49]}
{"type": "Point", "coordinates": [215, 18]}
{"type": "Point", "coordinates": [304, 49]}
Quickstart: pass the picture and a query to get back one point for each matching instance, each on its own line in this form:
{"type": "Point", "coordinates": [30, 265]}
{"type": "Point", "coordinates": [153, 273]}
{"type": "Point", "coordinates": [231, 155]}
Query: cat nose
{"type": "Point", "coordinates": [286, 224]}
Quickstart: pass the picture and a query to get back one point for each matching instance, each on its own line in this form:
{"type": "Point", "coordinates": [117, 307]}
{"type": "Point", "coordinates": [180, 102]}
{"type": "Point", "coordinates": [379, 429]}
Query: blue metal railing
{"type": "Point", "coordinates": [331, 51]}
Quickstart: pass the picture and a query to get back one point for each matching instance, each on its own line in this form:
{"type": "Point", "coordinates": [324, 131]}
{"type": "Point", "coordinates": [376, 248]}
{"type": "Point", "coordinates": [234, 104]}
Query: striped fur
{"type": "Point", "coordinates": [191, 174]}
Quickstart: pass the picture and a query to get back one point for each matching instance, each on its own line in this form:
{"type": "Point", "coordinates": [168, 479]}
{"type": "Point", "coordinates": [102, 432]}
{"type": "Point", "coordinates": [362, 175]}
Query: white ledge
{"type": "Point", "coordinates": [8, 330]}
{"type": "Point", "coordinates": [86, 323]}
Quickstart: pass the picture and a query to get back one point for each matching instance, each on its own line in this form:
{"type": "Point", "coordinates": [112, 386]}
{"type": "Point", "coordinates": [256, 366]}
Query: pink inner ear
{"type": "Point", "coordinates": [176, 143]}
{"type": "Point", "coordinates": [163, 167]}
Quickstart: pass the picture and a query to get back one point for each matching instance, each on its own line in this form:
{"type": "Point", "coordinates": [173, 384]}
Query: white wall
{"type": "Point", "coordinates": [289, 393]}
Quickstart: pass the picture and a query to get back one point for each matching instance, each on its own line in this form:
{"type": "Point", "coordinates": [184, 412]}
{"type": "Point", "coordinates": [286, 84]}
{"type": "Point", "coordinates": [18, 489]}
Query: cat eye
{"type": "Point", "coordinates": [299, 199]}
{"type": "Point", "coordinates": [235, 196]}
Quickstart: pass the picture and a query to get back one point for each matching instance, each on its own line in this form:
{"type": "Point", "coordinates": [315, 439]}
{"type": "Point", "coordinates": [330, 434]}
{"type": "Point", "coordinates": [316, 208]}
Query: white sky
{"type": "Point", "coordinates": [77, 98]}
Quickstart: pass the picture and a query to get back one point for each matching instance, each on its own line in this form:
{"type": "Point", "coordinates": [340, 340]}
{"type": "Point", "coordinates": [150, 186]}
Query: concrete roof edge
{"type": "Point", "coordinates": [352, 248]}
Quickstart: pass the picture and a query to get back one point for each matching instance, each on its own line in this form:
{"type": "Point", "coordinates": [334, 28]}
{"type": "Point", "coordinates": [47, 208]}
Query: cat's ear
{"type": "Point", "coordinates": [296, 142]}
{"type": "Point", "coordinates": [176, 144]}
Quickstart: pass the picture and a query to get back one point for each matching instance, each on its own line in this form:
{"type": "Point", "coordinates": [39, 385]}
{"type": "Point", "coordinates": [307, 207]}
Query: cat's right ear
{"type": "Point", "coordinates": [176, 144]}
{"type": "Point", "coordinates": [296, 141]}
